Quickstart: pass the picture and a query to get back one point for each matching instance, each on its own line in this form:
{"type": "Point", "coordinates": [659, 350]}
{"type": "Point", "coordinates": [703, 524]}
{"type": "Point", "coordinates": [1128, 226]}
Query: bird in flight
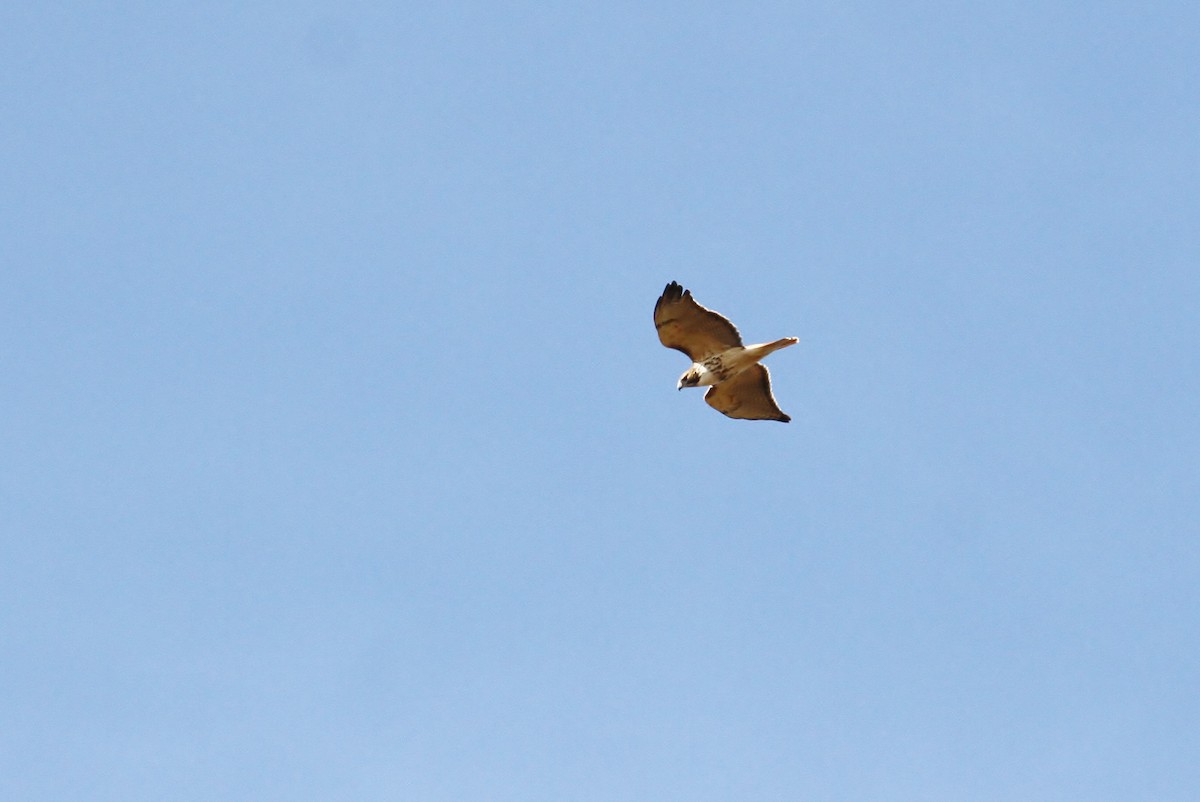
{"type": "Point", "coordinates": [738, 385]}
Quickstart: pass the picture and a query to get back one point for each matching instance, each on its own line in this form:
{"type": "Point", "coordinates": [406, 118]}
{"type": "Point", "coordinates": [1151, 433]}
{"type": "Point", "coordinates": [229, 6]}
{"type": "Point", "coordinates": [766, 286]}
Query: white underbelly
{"type": "Point", "coordinates": [723, 366]}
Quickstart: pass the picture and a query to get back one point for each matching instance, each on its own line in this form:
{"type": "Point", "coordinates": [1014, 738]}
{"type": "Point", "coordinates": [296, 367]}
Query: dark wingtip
{"type": "Point", "coordinates": [785, 419]}
{"type": "Point", "coordinates": [670, 294]}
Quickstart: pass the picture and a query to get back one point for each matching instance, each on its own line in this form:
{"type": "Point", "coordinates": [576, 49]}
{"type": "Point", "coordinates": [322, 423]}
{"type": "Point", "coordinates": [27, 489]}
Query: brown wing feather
{"type": "Point", "coordinates": [747, 396]}
{"type": "Point", "coordinates": [687, 326]}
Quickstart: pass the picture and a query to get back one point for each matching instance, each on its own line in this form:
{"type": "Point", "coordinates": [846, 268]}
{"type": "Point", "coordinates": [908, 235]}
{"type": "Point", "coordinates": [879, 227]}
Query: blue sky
{"type": "Point", "coordinates": [341, 461]}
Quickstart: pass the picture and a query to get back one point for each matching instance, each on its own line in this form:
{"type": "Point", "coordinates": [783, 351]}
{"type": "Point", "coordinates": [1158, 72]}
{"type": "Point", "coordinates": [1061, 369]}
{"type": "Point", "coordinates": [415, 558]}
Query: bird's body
{"type": "Point", "coordinates": [728, 364]}
{"type": "Point", "coordinates": [740, 387]}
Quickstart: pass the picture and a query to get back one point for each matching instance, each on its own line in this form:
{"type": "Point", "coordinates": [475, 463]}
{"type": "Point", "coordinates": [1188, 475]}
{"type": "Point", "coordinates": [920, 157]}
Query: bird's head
{"type": "Point", "coordinates": [689, 379]}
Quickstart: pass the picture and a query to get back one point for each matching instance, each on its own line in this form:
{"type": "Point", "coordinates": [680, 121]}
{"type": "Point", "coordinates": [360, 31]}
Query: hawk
{"type": "Point", "coordinates": [738, 385]}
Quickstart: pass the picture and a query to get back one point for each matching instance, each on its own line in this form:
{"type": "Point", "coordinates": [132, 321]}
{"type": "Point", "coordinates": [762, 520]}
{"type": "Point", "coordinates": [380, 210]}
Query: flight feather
{"type": "Point", "coordinates": [687, 326]}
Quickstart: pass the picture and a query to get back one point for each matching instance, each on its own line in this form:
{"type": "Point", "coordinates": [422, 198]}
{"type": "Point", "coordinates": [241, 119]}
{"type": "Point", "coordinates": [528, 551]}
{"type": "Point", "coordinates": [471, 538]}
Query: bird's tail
{"type": "Point", "coordinates": [766, 348]}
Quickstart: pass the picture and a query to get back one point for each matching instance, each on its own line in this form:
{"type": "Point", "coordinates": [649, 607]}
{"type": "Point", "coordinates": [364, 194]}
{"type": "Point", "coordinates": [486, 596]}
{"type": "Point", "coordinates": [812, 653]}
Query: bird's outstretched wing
{"type": "Point", "coordinates": [687, 326]}
{"type": "Point", "coordinates": [747, 396]}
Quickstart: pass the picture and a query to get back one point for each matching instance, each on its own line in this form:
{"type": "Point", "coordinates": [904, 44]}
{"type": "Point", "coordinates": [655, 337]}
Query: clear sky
{"type": "Point", "coordinates": [340, 460]}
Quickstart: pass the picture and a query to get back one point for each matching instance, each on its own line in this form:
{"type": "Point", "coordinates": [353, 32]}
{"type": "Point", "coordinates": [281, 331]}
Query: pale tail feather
{"type": "Point", "coordinates": [761, 350]}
